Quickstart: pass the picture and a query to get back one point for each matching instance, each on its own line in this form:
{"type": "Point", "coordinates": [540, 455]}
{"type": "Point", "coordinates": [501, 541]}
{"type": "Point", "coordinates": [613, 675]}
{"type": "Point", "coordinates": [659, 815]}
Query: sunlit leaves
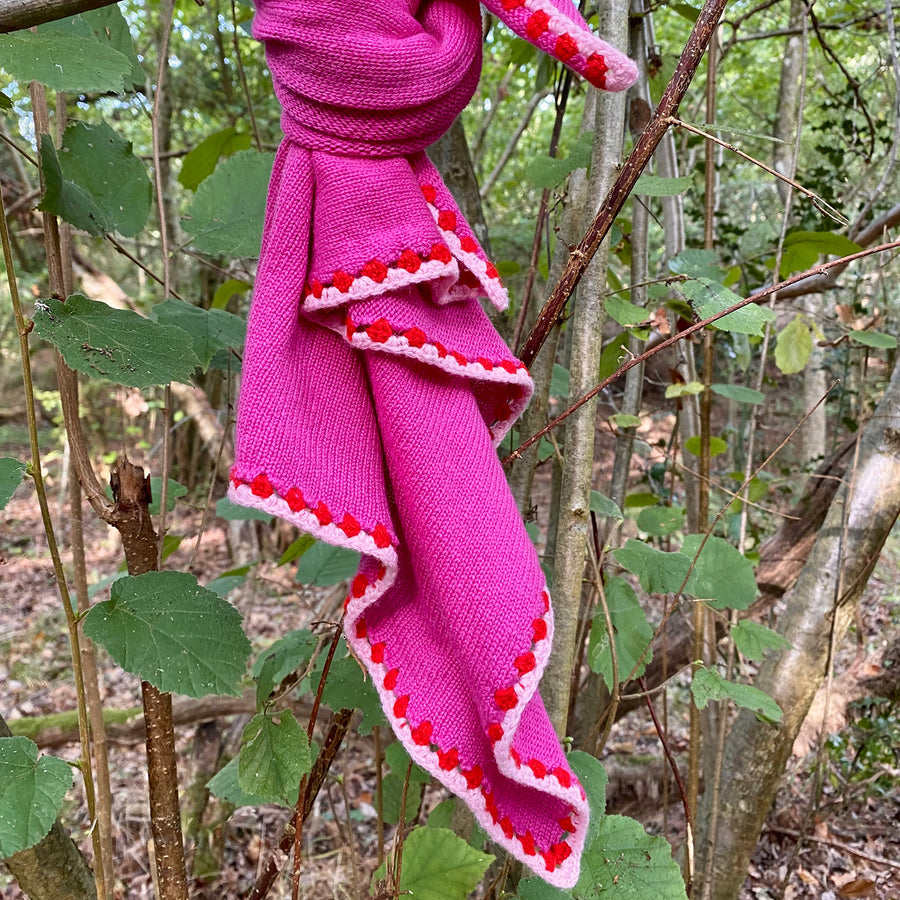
{"type": "Point", "coordinates": [794, 346]}
{"type": "Point", "coordinates": [115, 344]}
{"type": "Point", "coordinates": [168, 630]}
{"type": "Point", "coordinates": [201, 161]}
{"type": "Point", "coordinates": [94, 181]}
{"type": "Point", "coordinates": [31, 793]}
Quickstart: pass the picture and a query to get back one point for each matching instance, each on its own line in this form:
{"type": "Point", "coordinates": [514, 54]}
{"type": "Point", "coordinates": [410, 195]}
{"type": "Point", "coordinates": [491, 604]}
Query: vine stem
{"type": "Point", "coordinates": [757, 297]}
{"type": "Point", "coordinates": [581, 256]}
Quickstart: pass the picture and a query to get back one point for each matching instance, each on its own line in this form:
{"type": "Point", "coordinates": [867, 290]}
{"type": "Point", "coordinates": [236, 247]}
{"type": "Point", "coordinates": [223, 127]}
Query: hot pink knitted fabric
{"type": "Point", "coordinates": [375, 391]}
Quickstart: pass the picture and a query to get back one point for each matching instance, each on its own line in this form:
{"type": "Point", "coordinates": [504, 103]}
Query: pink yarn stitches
{"type": "Point", "coordinates": [375, 390]}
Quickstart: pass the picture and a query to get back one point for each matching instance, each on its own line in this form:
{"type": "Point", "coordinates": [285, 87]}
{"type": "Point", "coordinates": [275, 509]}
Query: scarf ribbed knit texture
{"type": "Point", "coordinates": [375, 392]}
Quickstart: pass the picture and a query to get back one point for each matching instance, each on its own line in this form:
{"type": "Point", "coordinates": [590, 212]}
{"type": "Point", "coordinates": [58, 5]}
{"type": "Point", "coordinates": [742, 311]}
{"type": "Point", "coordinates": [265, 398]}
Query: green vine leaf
{"type": "Point", "coordinates": [168, 630]}
{"type": "Point", "coordinates": [115, 344]}
{"type": "Point", "coordinates": [11, 474]}
{"type": "Point", "coordinates": [633, 634]}
{"type": "Point", "coordinates": [707, 684]}
{"type": "Point", "coordinates": [31, 793]}
{"type": "Point", "coordinates": [722, 575]}
{"type": "Point", "coordinates": [274, 756]}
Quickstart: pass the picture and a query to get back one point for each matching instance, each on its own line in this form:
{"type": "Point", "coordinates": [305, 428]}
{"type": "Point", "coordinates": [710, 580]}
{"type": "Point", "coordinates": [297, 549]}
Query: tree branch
{"type": "Point", "coordinates": [17, 14]}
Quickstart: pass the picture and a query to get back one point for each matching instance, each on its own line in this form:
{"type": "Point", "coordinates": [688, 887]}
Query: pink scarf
{"type": "Point", "coordinates": [375, 392]}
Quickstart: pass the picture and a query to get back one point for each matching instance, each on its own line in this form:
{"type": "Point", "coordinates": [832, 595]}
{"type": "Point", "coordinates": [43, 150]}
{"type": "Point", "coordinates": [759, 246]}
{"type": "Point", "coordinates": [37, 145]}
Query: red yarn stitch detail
{"type": "Point", "coordinates": [361, 630]}
{"type": "Point", "coordinates": [378, 652]}
{"type": "Point", "coordinates": [382, 571]}
{"type": "Point", "coordinates": [501, 411]}
{"type": "Point", "coordinates": [527, 842]}
{"type": "Point", "coordinates": [507, 827]}
{"type": "Point", "coordinates": [429, 193]}
{"type": "Point", "coordinates": [358, 586]}
{"type": "Point", "coordinates": [440, 253]}
{"type": "Point", "coordinates": [486, 363]}
{"type": "Point", "coordinates": [416, 337]}
{"type": "Point", "coordinates": [540, 630]}
{"type": "Point", "coordinates": [546, 598]}
{"type": "Point", "coordinates": [317, 288]}
{"type": "Point", "coordinates": [536, 766]}
{"type": "Point", "coordinates": [515, 756]}
{"type": "Point", "coordinates": [561, 852]}
{"type": "Point", "coordinates": [448, 760]}
{"type": "Point", "coordinates": [468, 244]}
{"type": "Point", "coordinates": [342, 281]}
{"type": "Point", "coordinates": [536, 25]}
{"type": "Point", "coordinates": [566, 48]}
{"type": "Point", "coordinates": [509, 5]}
{"type": "Point", "coordinates": [441, 349]}
{"type": "Point", "coordinates": [495, 732]}
{"type": "Point", "coordinates": [510, 366]}
{"type": "Point", "coordinates": [351, 328]}
{"type": "Point", "coordinates": [447, 220]}
{"type": "Point", "coordinates": [525, 663]}
{"type": "Point", "coordinates": [549, 860]}
{"type": "Point", "coordinates": [474, 777]}
{"type": "Point", "coordinates": [562, 776]}
{"type": "Point", "coordinates": [492, 272]}
{"type": "Point", "coordinates": [596, 70]}
{"type": "Point", "coordinates": [506, 698]}
{"type": "Point", "coordinates": [323, 514]}
{"type": "Point", "coordinates": [262, 487]}
{"type": "Point", "coordinates": [350, 526]}
{"type": "Point", "coordinates": [490, 805]}
{"type": "Point", "coordinates": [459, 358]}
{"type": "Point", "coordinates": [409, 261]}
{"type": "Point", "coordinates": [400, 706]}
{"type": "Point", "coordinates": [376, 270]}
{"type": "Point", "coordinates": [380, 330]}
{"type": "Point", "coordinates": [421, 734]}
{"type": "Point", "coordinates": [390, 680]}
{"type": "Point", "coordinates": [567, 824]}
{"type": "Point", "coordinates": [381, 537]}
{"type": "Point", "coordinates": [294, 499]}
{"type": "Point", "coordinates": [469, 279]}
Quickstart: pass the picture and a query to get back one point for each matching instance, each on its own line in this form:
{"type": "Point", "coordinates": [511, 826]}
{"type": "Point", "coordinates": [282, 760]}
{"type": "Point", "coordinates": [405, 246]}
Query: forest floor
{"type": "Point", "coordinates": [851, 845]}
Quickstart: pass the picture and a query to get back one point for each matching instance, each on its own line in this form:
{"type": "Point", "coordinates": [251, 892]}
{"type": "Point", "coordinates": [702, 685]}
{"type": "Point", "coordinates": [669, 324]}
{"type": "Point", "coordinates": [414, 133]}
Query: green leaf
{"type": "Point", "coordinates": [94, 181]}
{"type": "Point", "coordinates": [226, 786]}
{"type": "Point", "coordinates": [661, 520]}
{"type": "Point", "coordinates": [802, 249]}
{"type": "Point", "coordinates": [707, 684]}
{"type": "Point", "coordinates": [392, 794]}
{"type": "Point", "coordinates": [297, 549]}
{"type": "Point", "coordinates": [695, 445]}
{"type": "Point", "coordinates": [874, 339]}
{"type": "Point", "coordinates": [227, 214]}
{"type": "Point", "coordinates": [64, 62]}
{"type": "Point", "coordinates": [31, 793]}
{"type": "Point", "coordinates": [227, 290]}
{"type": "Point", "coordinates": [168, 630]}
{"type": "Point", "coordinates": [115, 344]}
{"type": "Point", "coordinates": [11, 474]}
{"type": "Point", "coordinates": [659, 572]}
{"type": "Point", "coordinates": [625, 420]}
{"type": "Point", "coordinates": [601, 505]}
{"type": "Point", "coordinates": [753, 639]}
{"type": "Point", "coordinates": [738, 393]}
{"type": "Point", "coordinates": [232, 512]}
{"type": "Point", "coordinates": [654, 186]}
{"type": "Point", "coordinates": [722, 576]}
{"type": "Point", "coordinates": [274, 756]}
{"type": "Point", "coordinates": [640, 499]}
{"type": "Point", "coordinates": [624, 311]}
{"type": "Point", "coordinates": [626, 863]}
{"type": "Point", "coordinates": [612, 356]}
{"type": "Point", "coordinates": [537, 889]}
{"type": "Point", "coordinates": [438, 865]}
{"type": "Point", "coordinates": [347, 688]}
{"type": "Point", "coordinates": [442, 815]}
{"type": "Point", "coordinates": [683, 389]}
{"type": "Point", "coordinates": [175, 491]}
{"type": "Point", "coordinates": [547, 172]}
{"type": "Point", "coordinates": [288, 654]}
{"type": "Point", "coordinates": [697, 264]}
{"type": "Point", "coordinates": [633, 634]}
{"type": "Point", "coordinates": [201, 161]}
{"type": "Point", "coordinates": [794, 346]}
{"type": "Point", "coordinates": [709, 298]}
{"type": "Point", "coordinates": [685, 10]}
{"type": "Point", "coordinates": [5, 102]}
{"type": "Point", "coordinates": [594, 780]}
{"type": "Point", "coordinates": [398, 759]}
{"type": "Point", "coordinates": [225, 584]}
{"type": "Point", "coordinates": [324, 565]}
{"type": "Point", "coordinates": [210, 330]}
{"type": "Point", "coordinates": [559, 382]}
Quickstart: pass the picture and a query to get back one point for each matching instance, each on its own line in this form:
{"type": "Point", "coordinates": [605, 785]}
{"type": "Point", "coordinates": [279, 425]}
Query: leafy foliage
{"type": "Point", "coordinates": [31, 793]}
{"type": "Point", "coordinates": [168, 630]}
{"type": "Point", "coordinates": [115, 344]}
{"type": "Point", "coordinates": [211, 330]}
{"type": "Point", "coordinates": [324, 564]}
{"type": "Point", "coordinates": [754, 640]}
{"type": "Point", "coordinates": [94, 181]}
{"type": "Point", "coordinates": [11, 474]}
{"type": "Point", "coordinates": [274, 756]}
{"type": "Point", "coordinates": [632, 631]}
{"type": "Point", "coordinates": [201, 162]}
{"type": "Point", "coordinates": [708, 684]}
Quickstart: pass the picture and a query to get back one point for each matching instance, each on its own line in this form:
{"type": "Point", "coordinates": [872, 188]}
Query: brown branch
{"type": "Point", "coordinates": [581, 256]}
{"type": "Point", "coordinates": [16, 14]}
{"type": "Point", "coordinates": [759, 296]}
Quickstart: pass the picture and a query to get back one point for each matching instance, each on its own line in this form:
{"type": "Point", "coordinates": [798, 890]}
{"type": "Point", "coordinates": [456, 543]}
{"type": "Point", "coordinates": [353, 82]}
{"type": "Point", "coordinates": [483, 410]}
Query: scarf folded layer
{"type": "Point", "coordinates": [375, 391]}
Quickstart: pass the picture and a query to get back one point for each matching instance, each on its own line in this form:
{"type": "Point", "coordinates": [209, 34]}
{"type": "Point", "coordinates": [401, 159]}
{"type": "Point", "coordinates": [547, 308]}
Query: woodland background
{"type": "Point", "coordinates": [777, 431]}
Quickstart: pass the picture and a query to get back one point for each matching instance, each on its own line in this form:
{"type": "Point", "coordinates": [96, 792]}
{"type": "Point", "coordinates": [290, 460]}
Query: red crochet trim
{"type": "Point", "coordinates": [449, 761]}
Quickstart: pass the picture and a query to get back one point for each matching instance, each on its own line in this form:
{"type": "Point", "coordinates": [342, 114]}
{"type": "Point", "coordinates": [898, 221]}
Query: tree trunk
{"type": "Point", "coordinates": [819, 610]}
{"type": "Point", "coordinates": [53, 869]}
